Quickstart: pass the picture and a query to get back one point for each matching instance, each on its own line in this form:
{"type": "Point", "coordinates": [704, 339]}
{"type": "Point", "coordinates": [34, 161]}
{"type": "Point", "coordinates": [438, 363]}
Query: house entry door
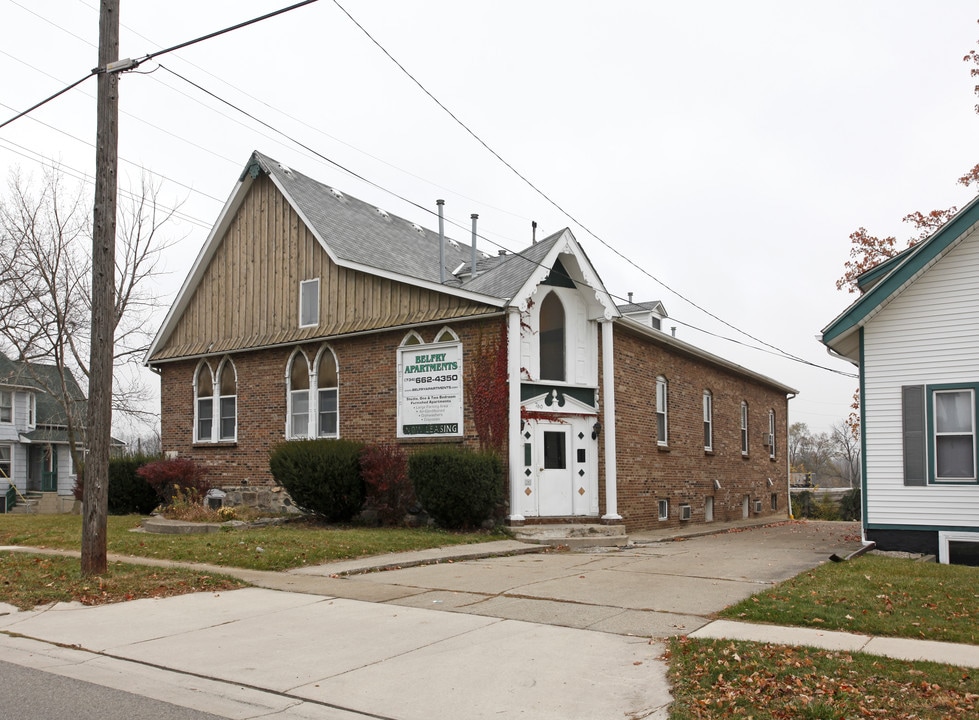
{"type": "Point", "coordinates": [555, 480]}
{"type": "Point", "coordinates": [49, 473]}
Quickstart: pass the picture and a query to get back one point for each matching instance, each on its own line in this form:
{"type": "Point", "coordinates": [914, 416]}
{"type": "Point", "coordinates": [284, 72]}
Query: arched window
{"type": "Point", "coordinates": [552, 366]}
{"type": "Point", "coordinates": [412, 338]}
{"type": "Point", "coordinates": [327, 382]}
{"type": "Point", "coordinates": [216, 398]}
{"type": "Point", "coordinates": [203, 403]}
{"type": "Point", "coordinates": [445, 335]}
{"type": "Point", "coordinates": [771, 435]}
{"type": "Point", "coordinates": [228, 386]}
{"type": "Point", "coordinates": [299, 396]}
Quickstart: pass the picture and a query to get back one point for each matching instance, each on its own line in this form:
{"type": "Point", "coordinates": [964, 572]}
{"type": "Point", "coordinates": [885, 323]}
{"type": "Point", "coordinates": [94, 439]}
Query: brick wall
{"type": "Point", "coordinates": [684, 472]}
{"type": "Point", "coordinates": [367, 400]}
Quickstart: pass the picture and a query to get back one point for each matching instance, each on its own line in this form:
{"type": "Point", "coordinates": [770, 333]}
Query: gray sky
{"type": "Point", "coordinates": [726, 149]}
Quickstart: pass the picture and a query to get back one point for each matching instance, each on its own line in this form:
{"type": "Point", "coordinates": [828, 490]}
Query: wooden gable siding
{"type": "Point", "coordinates": [248, 295]}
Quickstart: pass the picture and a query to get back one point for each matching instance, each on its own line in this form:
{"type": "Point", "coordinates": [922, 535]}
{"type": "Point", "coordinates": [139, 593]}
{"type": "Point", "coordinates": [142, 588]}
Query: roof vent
{"type": "Point", "coordinates": [453, 243]}
{"type": "Point", "coordinates": [501, 253]}
{"type": "Point", "coordinates": [382, 213]}
{"type": "Point", "coordinates": [285, 169]}
{"type": "Point", "coordinates": [336, 193]}
{"type": "Point", "coordinates": [418, 228]}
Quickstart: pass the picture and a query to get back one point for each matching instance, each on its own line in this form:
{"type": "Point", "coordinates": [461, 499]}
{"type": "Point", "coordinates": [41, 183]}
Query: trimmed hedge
{"type": "Point", "coordinates": [458, 488]}
{"type": "Point", "coordinates": [322, 476]}
{"type": "Point", "coordinates": [128, 492]}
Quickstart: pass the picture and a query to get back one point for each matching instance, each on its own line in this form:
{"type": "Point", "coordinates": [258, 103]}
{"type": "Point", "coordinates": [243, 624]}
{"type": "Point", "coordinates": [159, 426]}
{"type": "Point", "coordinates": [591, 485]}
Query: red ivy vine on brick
{"type": "Point", "coordinates": [490, 395]}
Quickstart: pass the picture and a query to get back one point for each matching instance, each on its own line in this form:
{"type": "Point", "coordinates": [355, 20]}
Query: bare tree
{"type": "Point", "coordinates": [45, 285]}
{"type": "Point", "coordinates": [846, 439]}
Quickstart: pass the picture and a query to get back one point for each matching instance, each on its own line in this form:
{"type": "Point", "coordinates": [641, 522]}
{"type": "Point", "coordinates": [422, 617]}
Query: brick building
{"type": "Point", "coordinates": [309, 313]}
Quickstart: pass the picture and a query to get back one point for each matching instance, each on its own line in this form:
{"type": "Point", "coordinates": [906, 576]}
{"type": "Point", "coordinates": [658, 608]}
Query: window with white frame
{"type": "Point", "coordinates": [327, 384]}
{"type": "Point", "coordinates": [32, 410]}
{"type": "Point", "coordinates": [6, 462]}
{"type": "Point", "coordinates": [744, 428]}
{"type": "Point", "coordinates": [662, 418]}
{"type": "Point", "coordinates": [216, 403]}
{"type": "Point", "coordinates": [708, 420]}
{"type": "Point", "coordinates": [309, 303]}
{"type": "Point", "coordinates": [313, 402]}
{"type": "Point", "coordinates": [299, 396]}
{"type": "Point", "coordinates": [664, 510]}
{"type": "Point", "coordinates": [771, 435]}
{"type": "Point", "coordinates": [552, 338]}
{"type": "Point", "coordinates": [954, 434]}
{"type": "Point", "coordinates": [6, 406]}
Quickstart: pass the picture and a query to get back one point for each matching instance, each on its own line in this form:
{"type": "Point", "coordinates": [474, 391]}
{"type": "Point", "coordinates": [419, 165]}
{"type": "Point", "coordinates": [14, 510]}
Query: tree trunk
{"type": "Point", "coordinates": [98, 435]}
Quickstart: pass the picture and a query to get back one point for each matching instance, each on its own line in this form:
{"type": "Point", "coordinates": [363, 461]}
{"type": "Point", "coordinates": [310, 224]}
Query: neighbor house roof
{"type": "Point", "coordinates": [888, 280]}
{"type": "Point", "coordinates": [46, 381]}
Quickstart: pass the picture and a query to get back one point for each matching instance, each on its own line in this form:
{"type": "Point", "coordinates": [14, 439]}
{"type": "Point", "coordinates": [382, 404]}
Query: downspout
{"type": "Point", "coordinates": [788, 460]}
{"type": "Point", "coordinates": [441, 204]}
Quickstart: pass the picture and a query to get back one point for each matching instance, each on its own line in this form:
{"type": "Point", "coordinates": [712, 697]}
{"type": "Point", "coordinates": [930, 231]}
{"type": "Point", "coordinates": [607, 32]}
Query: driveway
{"type": "Point", "coordinates": [654, 588]}
{"type": "Point", "coordinates": [557, 635]}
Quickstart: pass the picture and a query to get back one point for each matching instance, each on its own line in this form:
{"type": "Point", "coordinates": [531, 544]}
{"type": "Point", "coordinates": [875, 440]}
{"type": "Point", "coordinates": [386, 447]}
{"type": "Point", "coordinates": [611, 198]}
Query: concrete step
{"type": "Point", "coordinates": [572, 535]}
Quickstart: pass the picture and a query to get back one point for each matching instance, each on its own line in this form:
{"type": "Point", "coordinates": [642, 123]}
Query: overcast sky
{"type": "Point", "coordinates": [725, 150]}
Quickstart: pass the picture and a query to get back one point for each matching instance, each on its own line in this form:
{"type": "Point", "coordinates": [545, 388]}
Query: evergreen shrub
{"type": "Point", "coordinates": [850, 506]}
{"type": "Point", "coordinates": [322, 476]}
{"type": "Point", "coordinates": [128, 492]}
{"type": "Point", "coordinates": [458, 488]}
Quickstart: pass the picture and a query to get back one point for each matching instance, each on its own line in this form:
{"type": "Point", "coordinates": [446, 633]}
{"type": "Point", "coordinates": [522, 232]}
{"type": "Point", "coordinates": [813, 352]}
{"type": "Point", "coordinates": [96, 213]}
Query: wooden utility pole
{"type": "Point", "coordinates": [98, 439]}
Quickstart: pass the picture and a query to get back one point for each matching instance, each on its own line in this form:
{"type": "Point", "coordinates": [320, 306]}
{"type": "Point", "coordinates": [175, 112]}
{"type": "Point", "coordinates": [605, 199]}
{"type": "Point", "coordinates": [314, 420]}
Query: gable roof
{"type": "Point", "coordinates": [41, 378]}
{"type": "Point", "coordinates": [897, 273]}
{"type": "Point", "coordinates": [362, 237]}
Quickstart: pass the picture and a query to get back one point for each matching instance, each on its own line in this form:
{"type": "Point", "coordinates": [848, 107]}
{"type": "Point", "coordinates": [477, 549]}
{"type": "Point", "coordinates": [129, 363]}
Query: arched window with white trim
{"type": "Point", "coordinates": [327, 400]}
{"type": "Point", "coordinates": [228, 400]}
{"type": "Point", "coordinates": [203, 403]}
{"type": "Point", "coordinates": [412, 338]}
{"type": "Point", "coordinates": [216, 402]}
{"type": "Point", "coordinates": [552, 339]}
{"type": "Point", "coordinates": [298, 381]}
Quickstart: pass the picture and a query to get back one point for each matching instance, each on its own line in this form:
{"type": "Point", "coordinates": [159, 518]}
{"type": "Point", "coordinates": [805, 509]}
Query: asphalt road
{"type": "Point", "coordinates": [30, 694]}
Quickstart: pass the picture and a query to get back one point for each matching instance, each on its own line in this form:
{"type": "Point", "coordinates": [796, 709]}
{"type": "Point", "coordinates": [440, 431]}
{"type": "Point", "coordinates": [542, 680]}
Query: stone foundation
{"type": "Point", "coordinates": [274, 500]}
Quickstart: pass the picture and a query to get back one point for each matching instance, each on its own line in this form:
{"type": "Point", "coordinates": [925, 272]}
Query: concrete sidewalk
{"type": "Point", "coordinates": [524, 630]}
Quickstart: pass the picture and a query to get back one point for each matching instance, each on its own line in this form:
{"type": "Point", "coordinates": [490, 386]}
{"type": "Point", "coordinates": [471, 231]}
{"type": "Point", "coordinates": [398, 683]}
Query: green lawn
{"type": "Point", "coordinates": [874, 595]}
{"type": "Point", "coordinates": [278, 547]}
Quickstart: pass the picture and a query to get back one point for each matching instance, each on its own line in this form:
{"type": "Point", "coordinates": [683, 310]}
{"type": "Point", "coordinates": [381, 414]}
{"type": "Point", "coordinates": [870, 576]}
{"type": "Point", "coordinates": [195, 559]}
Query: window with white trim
{"type": "Point", "coordinates": [953, 435]}
{"type": "Point", "coordinates": [771, 435]}
{"type": "Point", "coordinates": [216, 392]}
{"type": "Point", "coordinates": [552, 339]}
{"type": "Point", "coordinates": [744, 428]}
{"type": "Point", "coordinates": [313, 409]}
{"type": "Point", "coordinates": [299, 396]}
{"type": "Point", "coordinates": [6, 462]}
{"type": "Point", "coordinates": [664, 510]}
{"type": "Point", "coordinates": [662, 419]}
{"type": "Point", "coordinates": [309, 303]}
{"type": "Point", "coordinates": [32, 410]}
{"type": "Point", "coordinates": [6, 406]}
{"type": "Point", "coordinates": [708, 421]}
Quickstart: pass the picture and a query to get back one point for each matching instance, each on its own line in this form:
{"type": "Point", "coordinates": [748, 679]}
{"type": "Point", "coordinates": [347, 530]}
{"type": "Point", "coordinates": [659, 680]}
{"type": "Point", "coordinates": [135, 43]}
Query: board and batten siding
{"type": "Point", "coordinates": [928, 334]}
{"type": "Point", "coordinates": [248, 295]}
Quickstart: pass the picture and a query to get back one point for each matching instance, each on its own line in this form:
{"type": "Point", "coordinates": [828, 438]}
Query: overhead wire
{"type": "Point", "coordinates": [554, 203]}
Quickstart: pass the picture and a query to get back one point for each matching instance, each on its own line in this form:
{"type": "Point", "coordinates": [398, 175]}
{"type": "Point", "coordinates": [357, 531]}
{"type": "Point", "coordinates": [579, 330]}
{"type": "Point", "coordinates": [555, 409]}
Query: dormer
{"type": "Point", "coordinates": [651, 314]}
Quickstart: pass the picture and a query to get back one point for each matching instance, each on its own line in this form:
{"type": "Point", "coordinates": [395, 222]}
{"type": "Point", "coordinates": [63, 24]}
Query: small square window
{"type": "Point", "coordinates": [664, 509]}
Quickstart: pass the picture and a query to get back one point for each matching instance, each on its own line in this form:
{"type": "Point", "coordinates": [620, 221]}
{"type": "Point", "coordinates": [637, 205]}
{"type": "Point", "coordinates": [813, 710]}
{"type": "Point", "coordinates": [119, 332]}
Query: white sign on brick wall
{"type": "Point", "coordinates": [430, 390]}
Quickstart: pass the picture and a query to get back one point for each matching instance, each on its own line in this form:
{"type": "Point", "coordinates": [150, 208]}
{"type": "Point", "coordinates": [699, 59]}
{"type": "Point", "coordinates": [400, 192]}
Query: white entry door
{"type": "Point", "coordinates": [555, 479]}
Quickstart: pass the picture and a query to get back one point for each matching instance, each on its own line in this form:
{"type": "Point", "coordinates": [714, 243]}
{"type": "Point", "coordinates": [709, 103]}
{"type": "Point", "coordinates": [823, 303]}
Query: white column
{"type": "Point", "coordinates": [608, 430]}
{"type": "Point", "coordinates": [516, 441]}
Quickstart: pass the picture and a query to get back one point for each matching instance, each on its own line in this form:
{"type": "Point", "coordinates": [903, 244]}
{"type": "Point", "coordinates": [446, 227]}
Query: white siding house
{"type": "Point", "coordinates": [914, 333]}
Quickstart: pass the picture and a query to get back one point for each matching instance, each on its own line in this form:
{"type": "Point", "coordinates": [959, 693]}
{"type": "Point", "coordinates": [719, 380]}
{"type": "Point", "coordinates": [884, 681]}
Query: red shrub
{"type": "Point", "coordinates": [165, 475]}
{"type": "Point", "coordinates": [389, 492]}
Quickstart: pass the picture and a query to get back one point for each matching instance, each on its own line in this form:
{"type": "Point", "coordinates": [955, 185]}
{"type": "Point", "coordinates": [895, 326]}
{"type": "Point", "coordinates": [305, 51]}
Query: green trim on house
{"type": "Point", "coordinates": [916, 260]}
{"type": "Point", "coordinates": [924, 528]}
{"type": "Point", "coordinates": [932, 470]}
{"type": "Point", "coordinates": [863, 440]}
{"type": "Point", "coordinates": [582, 395]}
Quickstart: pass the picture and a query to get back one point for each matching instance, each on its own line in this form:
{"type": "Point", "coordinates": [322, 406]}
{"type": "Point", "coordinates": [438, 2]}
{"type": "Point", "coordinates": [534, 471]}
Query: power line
{"type": "Point", "coordinates": [554, 203]}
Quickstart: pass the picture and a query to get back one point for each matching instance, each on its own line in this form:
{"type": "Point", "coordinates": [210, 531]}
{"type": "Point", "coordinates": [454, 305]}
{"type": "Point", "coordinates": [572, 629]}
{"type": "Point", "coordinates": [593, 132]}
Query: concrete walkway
{"type": "Point", "coordinates": [522, 630]}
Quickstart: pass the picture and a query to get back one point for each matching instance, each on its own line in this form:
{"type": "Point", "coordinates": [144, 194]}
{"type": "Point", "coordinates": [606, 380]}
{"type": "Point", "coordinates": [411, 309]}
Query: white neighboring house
{"type": "Point", "coordinates": [34, 448]}
{"type": "Point", "coordinates": [914, 334]}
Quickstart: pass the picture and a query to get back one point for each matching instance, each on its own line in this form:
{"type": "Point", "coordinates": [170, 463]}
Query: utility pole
{"type": "Point", "coordinates": [95, 498]}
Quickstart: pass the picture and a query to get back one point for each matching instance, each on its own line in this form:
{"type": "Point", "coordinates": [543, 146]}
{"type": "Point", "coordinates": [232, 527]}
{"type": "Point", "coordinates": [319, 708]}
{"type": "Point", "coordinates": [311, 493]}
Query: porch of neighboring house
{"type": "Point", "coordinates": [46, 462]}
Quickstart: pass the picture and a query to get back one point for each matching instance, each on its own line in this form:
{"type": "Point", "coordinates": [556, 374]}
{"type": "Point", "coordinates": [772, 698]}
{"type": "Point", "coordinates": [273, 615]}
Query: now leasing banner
{"type": "Point", "coordinates": [430, 390]}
